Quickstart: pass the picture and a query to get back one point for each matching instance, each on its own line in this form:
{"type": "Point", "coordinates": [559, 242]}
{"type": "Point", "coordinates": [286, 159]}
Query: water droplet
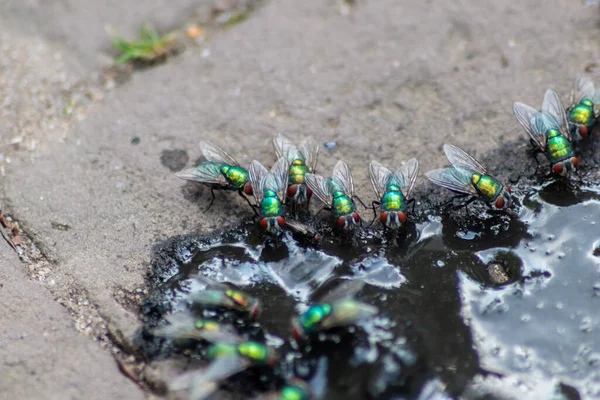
{"type": "Point", "coordinates": [525, 318]}
{"type": "Point", "coordinates": [586, 325]}
{"type": "Point", "coordinates": [440, 263]}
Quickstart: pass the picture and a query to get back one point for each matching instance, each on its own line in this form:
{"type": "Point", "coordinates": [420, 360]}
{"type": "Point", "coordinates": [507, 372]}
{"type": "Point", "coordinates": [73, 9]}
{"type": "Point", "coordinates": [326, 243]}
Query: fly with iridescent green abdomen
{"type": "Point", "coordinates": [229, 355]}
{"type": "Point", "coordinates": [217, 294]}
{"type": "Point", "coordinates": [393, 189]}
{"type": "Point", "coordinates": [220, 171]}
{"type": "Point", "coordinates": [467, 176]}
{"type": "Point", "coordinates": [270, 190]}
{"type": "Point", "coordinates": [337, 193]}
{"type": "Point", "coordinates": [186, 326]}
{"type": "Point", "coordinates": [336, 310]}
{"type": "Point", "coordinates": [302, 160]}
{"type": "Point", "coordinates": [549, 132]}
{"type": "Point", "coordinates": [583, 111]}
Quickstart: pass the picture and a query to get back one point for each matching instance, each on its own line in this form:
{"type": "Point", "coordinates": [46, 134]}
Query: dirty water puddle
{"type": "Point", "coordinates": [487, 305]}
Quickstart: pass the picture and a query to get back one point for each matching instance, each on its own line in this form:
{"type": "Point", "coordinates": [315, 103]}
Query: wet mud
{"type": "Point", "coordinates": [479, 303]}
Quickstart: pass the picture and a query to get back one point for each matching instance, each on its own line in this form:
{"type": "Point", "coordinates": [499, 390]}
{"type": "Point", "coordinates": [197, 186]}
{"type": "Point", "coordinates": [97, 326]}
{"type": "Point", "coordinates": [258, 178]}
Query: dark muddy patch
{"type": "Point", "coordinates": [175, 159]}
{"type": "Point", "coordinates": [481, 304]}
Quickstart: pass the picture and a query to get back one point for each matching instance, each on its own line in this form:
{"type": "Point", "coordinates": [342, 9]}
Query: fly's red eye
{"type": "Point", "coordinates": [308, 192]}
{"type": "Point", "coordinates": [500, 202]}
{"type": "Point", "coordinates": [583, 130]}
{"type": "Point", "coordinates": [291, 191]}
{"type": "Point", "coordinates": [280, 221]}
{"type": "Point", "coordinates": [341, 221]}
{"type": "Point", "coordinates": [383, 217]}
{"type": "Point", "coordinates": [402, 217]}
{"type": "Point", "coordinates": [255, 311]}
{"type": "Point", "coordinates": [507, 188]}
{"type": "Point", "coordinates": [248, 189]}
{"type": "Point", "coordinates": [264, 223]}
{"type": "Point", "coordinates": [557, 169]}
{"type": "Point", "coordinates": [575, 161]}
{"type": "Point", "coordinates": [356, 217]}
{"type": "Point", "coordinates": [296, 333]}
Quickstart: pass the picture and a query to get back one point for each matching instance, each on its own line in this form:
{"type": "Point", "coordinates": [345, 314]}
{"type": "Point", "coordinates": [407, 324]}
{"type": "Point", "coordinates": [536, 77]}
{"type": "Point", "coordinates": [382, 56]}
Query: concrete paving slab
{"type": "Point", "coordinates": [78, 26]}
{"type": "Point", "coordinates": [385, 80]}
{"type": "Point", "coordinates": [41, 355]}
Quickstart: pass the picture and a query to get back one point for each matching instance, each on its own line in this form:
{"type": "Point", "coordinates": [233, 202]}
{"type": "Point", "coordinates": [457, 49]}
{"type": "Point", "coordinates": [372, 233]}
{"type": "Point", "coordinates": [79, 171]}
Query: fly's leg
{"type": "Point", "coordinates": [413, 202]}
{"type": "Point", "coordinates": [253, 206]}
{"type": "Point", "coordinates": [360, 201]}
{"type": "Point", "coordinates": [451, 201]}
{"type": "Point", "coordinates": [373, 204]}
{"type": "Point", "coordinates": [212, 192]}
{"type": "Point", "coordinates": [323, 209]}
{"type": "Point", "coordinates": [466, 205]}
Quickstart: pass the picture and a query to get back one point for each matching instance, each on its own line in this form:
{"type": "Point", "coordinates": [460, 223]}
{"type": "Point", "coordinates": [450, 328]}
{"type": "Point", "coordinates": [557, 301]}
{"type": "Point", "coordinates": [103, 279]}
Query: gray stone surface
{"type": "Point", "coordinates": [385, 80]}
{"type": "Point", "coordinates": [41, 355]}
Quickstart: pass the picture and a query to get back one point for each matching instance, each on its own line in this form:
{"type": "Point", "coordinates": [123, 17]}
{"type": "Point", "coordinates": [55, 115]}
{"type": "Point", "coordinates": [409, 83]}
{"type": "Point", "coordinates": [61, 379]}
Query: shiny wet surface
{"type": "Point", "coordinates": [527, 330]}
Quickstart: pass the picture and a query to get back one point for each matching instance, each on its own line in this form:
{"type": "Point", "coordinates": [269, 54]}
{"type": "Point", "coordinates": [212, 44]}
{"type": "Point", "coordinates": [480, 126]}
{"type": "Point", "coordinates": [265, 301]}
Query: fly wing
{"type": "Point", "coordinates": [280, 172]}
{"type": "Point", "coordinates": [257, 172]}
{"type": "Point", "coordinates": [553, 105]}
{"type": "Point", "coordinates": [216, 154]}
{"type": "Point", "coordinates": [455, 179]}
{"type": "Point", "coordinates": [183, 326]}
{"type": "Point", "coordinates": [379, 177]}
{"type": "Point", "coordinates": [459, 158]}
{"type": "Point", "coordinates": [207, 382]}
{"type": "Point", "coordinates": [346, 312]}
{"type": "Point", "coordinates": [310, 150]}
{"type": "Point", "coordinates": [221, 336]}
{"type": "Point", "coordinates": [207, 172]}
{"type": "Point", "coordinates": [348, 288]}
{"type": "Point", "coordinates": [342, 176]}
{"type": "Point", "coordinates": [284, 148]}
{"type": "Point", "coordinates": [320, 188]}
{"type": "Point", "coordinates": [407, 176]}
{"type": "Point", "coordinates": [584, 89]}
{"type": "Point", "coordinates": [209, 297]}
{"type": "Point", "coordinates": [525, 115]}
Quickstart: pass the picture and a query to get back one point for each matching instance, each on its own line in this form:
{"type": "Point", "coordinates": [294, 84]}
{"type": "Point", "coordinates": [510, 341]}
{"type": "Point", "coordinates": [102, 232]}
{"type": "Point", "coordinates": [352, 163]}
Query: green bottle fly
{"type": "Point", "coordinates": [337, 193]}
{"type": "Point", "coordinates": [393, 188]}
{"type": "Point", "coordinates": [550, 132]}
{"type": "Point", "coordinates": [302, 160]}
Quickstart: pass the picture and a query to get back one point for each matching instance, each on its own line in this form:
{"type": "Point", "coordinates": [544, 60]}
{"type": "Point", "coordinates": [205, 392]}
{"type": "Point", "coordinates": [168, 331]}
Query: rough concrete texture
{"type": "Point", "coordinates": [41, 356]}
{"type": "Point", "coordinates": [385, 80]}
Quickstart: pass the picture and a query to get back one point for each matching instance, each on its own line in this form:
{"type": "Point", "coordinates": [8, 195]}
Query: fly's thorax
{"type": "Point", "coordinates": [221, 350]}
{"type": "Point", "coordinates": [297, 171]}
{"type": "Point", "coordinates": [558, 148]}
{"type": "Point", "coordinates": [207, 325]}
{"type": "Point", "coordinates": [271, 205]}
{"type": "Point", "coordinates": [342, 204]}
{"type": "Point", "coordinates": [258, 353]}
{"type": "Point", "coordinates": [239, 298]}
{"type": "Point", "coordinates": [393, 199]}
{"type": "Point", "coordinates": [235, 175]}
{"type": "Point", "coordinates": [295, 392]}
{"type": "Point", "coordinates": [312, 318]}
{"type": "Point", "coordinates": [583, 113]}
{"type": "Point", "coordinates": [487, 186]}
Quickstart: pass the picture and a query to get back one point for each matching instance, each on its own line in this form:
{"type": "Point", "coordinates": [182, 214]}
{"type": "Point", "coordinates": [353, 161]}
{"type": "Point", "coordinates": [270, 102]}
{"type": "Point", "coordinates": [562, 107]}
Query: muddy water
{"type": "Point", "coordinates": [492, 306]}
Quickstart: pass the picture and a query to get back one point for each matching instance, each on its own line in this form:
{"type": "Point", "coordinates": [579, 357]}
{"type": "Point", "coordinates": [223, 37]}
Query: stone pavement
{"type": "Point", "coordinates": [386, 80]}
{"type": "Point", "coordinates": [41, 355]}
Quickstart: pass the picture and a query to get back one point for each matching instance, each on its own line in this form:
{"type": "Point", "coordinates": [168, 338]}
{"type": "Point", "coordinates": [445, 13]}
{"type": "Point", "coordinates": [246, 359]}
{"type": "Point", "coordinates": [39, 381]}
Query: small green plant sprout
{"type": "Point", "coordinates": [149, 47]}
